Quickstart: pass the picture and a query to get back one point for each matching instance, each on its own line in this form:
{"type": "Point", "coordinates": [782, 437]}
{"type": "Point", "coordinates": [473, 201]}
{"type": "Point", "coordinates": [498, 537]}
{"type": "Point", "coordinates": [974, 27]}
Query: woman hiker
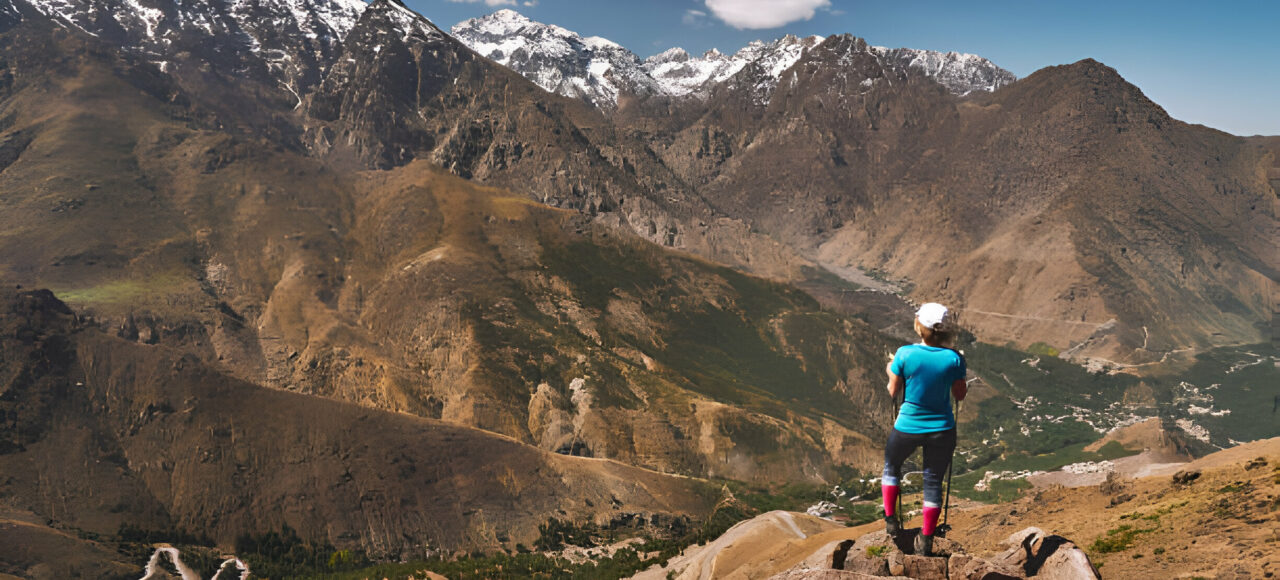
{"type": "Point", "coordinates": [932, 374]}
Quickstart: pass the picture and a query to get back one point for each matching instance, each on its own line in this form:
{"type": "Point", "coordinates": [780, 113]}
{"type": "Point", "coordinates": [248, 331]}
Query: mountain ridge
{"type": "Point", "coordinates": [600, 71]}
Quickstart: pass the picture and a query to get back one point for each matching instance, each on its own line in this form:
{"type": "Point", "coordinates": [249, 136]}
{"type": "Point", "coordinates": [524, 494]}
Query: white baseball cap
{"type": "Point", "coordinates": [932, 315]}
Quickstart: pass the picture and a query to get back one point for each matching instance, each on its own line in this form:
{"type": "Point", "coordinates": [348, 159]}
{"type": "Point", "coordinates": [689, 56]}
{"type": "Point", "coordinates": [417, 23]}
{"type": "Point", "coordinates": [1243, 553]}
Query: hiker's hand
{"type": "Point", "coordinates": [896, 383]}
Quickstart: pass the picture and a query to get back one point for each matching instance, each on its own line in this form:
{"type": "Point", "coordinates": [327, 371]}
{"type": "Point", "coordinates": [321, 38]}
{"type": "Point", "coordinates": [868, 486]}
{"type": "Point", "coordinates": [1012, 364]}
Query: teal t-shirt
{"type": "Point", "coordinates": [929, 372]}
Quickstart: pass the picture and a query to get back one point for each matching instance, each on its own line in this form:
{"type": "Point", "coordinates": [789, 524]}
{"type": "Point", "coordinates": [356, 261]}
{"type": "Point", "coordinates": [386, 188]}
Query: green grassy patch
{"type": "Point", "coordinates": [1040, 348]}
{"type": "Point", "coordinates": [825, 276]}
{"type": "Point", "coordinates": [125, 291]}
{"type": "Point", "coordinates": [1155, 515]}
{"type": "Point", "coordinates": [1052, 380]}
{"type": "Point", "coordinates": [998, 490]}
{"type": "Point", "coordinates": [1235, 487]}
{"type": "Point", "coordinates": [1008, 489]}
{"type": "Point", "coordinates": [1117, 539]}
{"type": "Point", "coordinates": [1122, 537]}
{"type": "Point", "coordinates": [857, 505]}
{"type": "Point", "coordinates": [1241, 381]}
{"type": "Point", "coordinates": [597, 271]}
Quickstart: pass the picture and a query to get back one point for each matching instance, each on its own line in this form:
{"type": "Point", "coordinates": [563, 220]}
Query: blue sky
{"type": "Point", "coordinates": [1213, 63]}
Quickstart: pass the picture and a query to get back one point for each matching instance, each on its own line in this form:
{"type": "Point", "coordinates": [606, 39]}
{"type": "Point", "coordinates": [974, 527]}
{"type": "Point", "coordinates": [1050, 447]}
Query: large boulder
{"type": "Point", "coordinates": [1049, 556]}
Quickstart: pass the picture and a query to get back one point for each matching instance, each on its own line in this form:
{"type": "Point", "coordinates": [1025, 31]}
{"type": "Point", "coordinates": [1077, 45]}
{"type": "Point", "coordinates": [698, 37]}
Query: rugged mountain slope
{"type": "Point", "coordinates": [289, 41]}
{"type": "Point", "coordinates": [404, 90]}
{"type": "Point", "coordinates": [416, 291]}
{"type": "Point", "coordinates": [1127, 260]}
{"type": "Point", "coordinates": [100, 432]}
{"type": "Point", "coordinates": [870, 164]}
{"type": "Point", "coordinates": [1031, 175]}
{"type": "Point", "coordinates": [249, 62]}
{"type": "Point", "coordinates": [850, 130]}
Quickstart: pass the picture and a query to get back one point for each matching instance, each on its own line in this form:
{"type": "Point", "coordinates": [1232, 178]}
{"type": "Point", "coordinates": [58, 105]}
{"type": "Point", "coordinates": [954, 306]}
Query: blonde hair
{"type": "Point", "coordinates": [943, 336]}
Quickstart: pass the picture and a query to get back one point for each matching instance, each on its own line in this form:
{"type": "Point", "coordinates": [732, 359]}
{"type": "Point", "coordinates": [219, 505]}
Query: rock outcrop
{"type": "Point", "coordinates": [1030, 553]}
{"type": "Point", "coordinates": [791, 546]}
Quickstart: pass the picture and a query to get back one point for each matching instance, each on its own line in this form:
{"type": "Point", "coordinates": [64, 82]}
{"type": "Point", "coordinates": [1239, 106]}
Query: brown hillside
{"type": "Point", "coordinates": [103, 432]}
{"type": "Point", "coordinates": [413, 290]}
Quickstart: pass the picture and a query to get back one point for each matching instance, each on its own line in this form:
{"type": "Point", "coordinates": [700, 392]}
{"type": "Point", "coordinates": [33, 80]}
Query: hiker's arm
{"type": "Point", "coordinates": [895, 382]}
{"type": "Point", "coordinates": [959, 389]}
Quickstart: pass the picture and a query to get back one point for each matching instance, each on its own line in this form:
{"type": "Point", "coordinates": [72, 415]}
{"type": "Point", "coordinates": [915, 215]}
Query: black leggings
{"type": "Point", "coordinates": [938, 447]}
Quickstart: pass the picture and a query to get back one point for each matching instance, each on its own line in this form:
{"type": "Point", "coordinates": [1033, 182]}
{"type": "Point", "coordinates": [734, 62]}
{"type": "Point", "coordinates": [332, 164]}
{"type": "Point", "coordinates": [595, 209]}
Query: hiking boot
{"type": "Point", "coordinates": [892, 526]}
{"type": "Point", "coordinates": [924, 545]}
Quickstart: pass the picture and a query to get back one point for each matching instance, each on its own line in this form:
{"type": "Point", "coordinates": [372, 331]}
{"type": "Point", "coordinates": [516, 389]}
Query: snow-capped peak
{"type": "Point", "coordinates": [504, 21]}
{"type": "Point", "coordinates": [601, 43]}
{"type": "Point", "coordinates": [676, 54]}
{"type": "Point", "coordinates": [561, 61]}
{"type": "Point", "coordinates": [697, 76]}
{"type": "Point", "coordinates": [409, 23]}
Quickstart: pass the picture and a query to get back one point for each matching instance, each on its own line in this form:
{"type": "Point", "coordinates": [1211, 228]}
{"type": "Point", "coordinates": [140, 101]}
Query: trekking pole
{"type": "Point", "coordinates": [946, 506]}
{"type": "Point", "coordinates": [897, 408]}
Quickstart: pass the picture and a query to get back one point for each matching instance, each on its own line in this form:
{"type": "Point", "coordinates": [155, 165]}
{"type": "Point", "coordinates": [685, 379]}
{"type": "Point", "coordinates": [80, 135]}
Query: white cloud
{"type": "Point", "coordinates": [756, 14]}
{"type": "Point", "coordinates": [694, 18]}
{"type": "Point", "coordinates": [494, 2]}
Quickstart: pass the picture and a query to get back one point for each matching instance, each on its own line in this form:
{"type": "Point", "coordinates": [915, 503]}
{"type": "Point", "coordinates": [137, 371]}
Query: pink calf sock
{"type": "Point", "coordinates": [930, 520]}
{"type": "Point", "coordinates": [890, 493]}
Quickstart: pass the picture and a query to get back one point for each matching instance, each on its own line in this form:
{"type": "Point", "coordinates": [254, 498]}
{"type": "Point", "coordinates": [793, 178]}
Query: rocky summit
{"type": "Point", "coordinates": [1153, 526]}
{"type": "Point", "coordinates": [1030, 553]}
{"type": "Point", "coordinates": [788, 546]}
